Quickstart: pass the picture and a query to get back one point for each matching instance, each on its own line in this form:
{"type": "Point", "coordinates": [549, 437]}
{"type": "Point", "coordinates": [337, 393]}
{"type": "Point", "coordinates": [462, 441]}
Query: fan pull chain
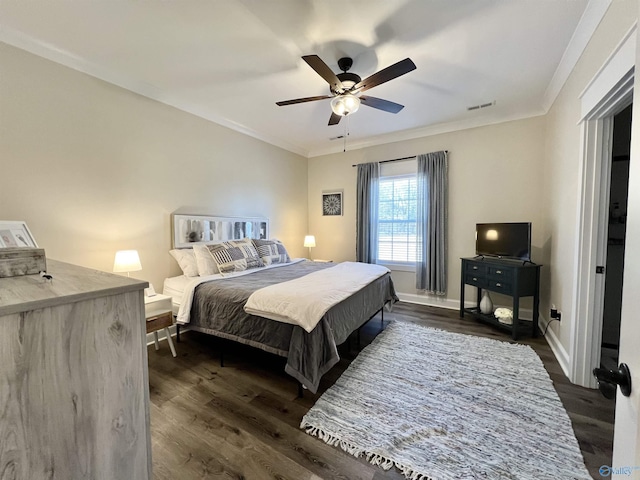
{"type": "Point", "coordinates": [346, 134]}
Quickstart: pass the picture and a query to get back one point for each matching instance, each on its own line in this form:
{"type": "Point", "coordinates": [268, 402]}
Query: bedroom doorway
{"type": "Point", "coordinates": [616, 232]}
{"type": "Point", "coordinates": [606, 95]}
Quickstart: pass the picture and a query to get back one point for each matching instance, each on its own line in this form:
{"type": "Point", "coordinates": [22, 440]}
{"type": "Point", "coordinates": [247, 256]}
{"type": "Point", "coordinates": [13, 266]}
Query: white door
{"type": "Point", "coordinates": [626, 444]}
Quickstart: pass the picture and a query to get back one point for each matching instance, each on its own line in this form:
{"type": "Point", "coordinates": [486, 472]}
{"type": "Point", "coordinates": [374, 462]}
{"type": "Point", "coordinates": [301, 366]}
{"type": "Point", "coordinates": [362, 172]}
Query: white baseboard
{"type": "Point", "coordinates": [431, 301]}
{"type": "Point", "coordinates": [556, 347]}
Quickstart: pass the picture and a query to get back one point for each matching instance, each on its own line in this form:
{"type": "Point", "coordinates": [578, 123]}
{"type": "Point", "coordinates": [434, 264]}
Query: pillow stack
{"type": "Point", "coordinates": [230, 256]}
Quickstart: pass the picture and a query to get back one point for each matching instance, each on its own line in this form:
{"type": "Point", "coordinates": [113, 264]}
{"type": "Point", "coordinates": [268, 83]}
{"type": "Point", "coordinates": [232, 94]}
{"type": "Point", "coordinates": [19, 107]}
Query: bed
{"type": "Point", "coordinates": [215, 304]}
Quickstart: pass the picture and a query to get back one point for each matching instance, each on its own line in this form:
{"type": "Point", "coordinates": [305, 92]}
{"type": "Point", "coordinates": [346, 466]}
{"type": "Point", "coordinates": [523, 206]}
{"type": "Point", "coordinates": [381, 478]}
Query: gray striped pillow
{"type": "Point", "coordinates": [235, 256]}
{"type": "Point", "coordinates": [271, 251]}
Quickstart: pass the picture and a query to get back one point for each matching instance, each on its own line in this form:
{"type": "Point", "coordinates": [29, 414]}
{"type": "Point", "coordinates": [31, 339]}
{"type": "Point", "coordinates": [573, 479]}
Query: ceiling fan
{"type": "Point", "coordinates": [346, 87]}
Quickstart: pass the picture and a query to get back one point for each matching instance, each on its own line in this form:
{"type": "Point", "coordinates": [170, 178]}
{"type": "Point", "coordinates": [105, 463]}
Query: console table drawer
{"type": "Point", "coordinates": [499, 273]}
{"type": "Point", "coordinates": [500, 287]}
{"type": "Point", "coordinates": [476, 270]}
{"type": "Point", "coordinates": [476, 280]}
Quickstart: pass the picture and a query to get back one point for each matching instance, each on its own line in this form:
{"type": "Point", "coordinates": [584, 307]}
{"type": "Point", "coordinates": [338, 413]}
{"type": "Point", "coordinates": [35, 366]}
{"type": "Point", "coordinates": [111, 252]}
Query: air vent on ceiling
{"type": "Point", "coordinates": [483, 105]}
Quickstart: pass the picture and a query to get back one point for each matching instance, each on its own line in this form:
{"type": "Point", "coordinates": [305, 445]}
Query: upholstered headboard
{"type": "Point", "coordinates": [191, 229]}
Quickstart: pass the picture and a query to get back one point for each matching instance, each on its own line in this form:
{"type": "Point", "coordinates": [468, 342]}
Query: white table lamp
{"type": "Point", "coordinates": [127, 261]}
{"type": "Point", "coordinates": [309, 241]}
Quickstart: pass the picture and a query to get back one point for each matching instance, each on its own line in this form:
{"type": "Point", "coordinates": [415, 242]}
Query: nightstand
{"type": "Point", "coordinates": [159, 313]}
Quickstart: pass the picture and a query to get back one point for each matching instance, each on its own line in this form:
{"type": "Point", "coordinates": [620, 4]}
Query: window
{"type": "Point", "coordinates": [397, 210]}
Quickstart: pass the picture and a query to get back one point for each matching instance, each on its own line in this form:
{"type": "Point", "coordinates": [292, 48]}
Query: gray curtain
{"type": "Point", "coordinates": [431, 264]}
{"type": "Point", "coordinates": [367, 212]}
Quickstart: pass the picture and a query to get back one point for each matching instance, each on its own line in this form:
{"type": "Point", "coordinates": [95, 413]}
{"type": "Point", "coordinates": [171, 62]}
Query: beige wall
{"type": "Point", "coordinates": [93, 168]}
{"type": "Point", "coordinates": [495, 175]}
{"type": "Point", "coordinates": [562, 163]}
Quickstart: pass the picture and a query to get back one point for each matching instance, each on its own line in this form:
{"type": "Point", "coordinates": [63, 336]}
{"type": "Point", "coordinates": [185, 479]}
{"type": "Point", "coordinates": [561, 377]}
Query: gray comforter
{"type": "Point", "coordinates": [218, 310]}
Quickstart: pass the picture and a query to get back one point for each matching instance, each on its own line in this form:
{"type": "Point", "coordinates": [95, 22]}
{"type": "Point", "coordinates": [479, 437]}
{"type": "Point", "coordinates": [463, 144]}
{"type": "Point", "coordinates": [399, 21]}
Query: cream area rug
{"type": "Point", "coordinates": [440, 405]}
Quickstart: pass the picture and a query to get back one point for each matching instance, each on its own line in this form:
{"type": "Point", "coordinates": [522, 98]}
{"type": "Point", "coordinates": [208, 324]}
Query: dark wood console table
{"type": "Point", "coordinates": [509, 277]}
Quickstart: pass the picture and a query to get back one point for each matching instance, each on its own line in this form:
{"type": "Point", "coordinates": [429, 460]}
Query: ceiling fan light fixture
{"type": "Point", "coordinates": [345, 104]}
{"type": "Point", "coordinates": [346, 87]}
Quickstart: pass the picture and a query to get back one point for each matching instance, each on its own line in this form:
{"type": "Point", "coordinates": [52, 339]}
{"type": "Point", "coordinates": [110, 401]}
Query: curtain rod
{"type": "Point", "coordinates": [397, 159]}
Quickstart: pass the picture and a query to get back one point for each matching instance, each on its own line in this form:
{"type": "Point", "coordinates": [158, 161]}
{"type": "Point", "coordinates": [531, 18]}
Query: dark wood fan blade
{"type": "Point", "coordinates": [302, 100]}
{"type": "Point", "coordinates": [394, 71]}
{"type": "Point", "coordinates": [335, 119]}
{"type": "Point", "coordinates": [381, 104]}
{"type": "Point", "coordinates": [324, 71]}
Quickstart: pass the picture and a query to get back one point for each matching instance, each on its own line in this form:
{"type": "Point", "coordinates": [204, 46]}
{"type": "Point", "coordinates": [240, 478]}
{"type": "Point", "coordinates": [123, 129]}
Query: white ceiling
{"type": "Point", "coordinates": [229, 61]}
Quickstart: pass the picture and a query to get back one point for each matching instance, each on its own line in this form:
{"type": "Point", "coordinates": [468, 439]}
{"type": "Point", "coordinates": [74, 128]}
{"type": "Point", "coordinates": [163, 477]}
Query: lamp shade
{"type": "Point", "coordinates": [345, 104]}
{"type": "Point", "coordinates": [309, 241]}
{"type": "Point", "coordinates": [127, 261]}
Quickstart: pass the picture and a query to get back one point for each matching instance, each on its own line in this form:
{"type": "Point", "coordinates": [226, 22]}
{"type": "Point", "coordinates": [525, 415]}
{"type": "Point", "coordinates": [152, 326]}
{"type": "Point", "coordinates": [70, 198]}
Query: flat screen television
{"type": "Point", "coordinates": [504, 240]}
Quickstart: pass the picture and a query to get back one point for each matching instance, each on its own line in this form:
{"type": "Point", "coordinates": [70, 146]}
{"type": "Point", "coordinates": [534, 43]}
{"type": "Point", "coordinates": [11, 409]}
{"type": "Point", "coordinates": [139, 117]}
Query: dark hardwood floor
{"type": "Point", "coordinates": [242, 421]}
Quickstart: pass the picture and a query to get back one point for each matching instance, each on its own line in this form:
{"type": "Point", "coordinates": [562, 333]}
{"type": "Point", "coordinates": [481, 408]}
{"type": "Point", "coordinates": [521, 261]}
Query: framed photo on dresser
{"type": "Point", "coordinates": [15, 234]}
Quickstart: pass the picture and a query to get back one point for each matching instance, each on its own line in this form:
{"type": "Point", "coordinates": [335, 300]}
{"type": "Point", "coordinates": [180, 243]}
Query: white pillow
{"type": "Point", "coordinates": [205, 263]}
{"type": "Point", "coordinates": [187, 261]}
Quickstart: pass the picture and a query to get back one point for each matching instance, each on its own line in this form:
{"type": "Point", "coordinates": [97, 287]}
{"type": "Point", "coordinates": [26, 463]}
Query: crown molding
{"type": "Point", "coordinates": [591, 18]}
{"type": "Point", "coordinates": [63, 57]}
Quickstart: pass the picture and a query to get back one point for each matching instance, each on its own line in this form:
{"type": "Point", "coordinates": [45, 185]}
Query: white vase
{"type": "Point", "coordinates": [486, 305]}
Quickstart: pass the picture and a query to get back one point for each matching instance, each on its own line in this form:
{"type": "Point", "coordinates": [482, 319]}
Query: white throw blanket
{"type": "Point", "coordinates": [305, 300]}
{"type": "Point", "coordinates": [184, 312]}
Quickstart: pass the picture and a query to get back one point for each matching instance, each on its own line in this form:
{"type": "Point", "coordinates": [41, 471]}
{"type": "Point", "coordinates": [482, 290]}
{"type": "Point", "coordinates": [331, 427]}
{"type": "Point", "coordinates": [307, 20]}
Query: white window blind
{"type": "Point", "coordinates": [397, 219]}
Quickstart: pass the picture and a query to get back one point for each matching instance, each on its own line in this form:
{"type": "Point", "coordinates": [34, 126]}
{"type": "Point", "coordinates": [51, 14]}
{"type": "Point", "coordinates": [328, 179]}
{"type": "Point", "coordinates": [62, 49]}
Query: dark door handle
{"type": "Point", "coordinates": [608, 379]}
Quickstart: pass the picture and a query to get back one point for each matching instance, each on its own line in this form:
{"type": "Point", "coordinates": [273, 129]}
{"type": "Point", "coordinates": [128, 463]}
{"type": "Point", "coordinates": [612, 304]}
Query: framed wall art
{"type": "Point", "coordinates": [190, 229]}
{"type": "Point", "coordinates": [15, 234]}
{"type": "Point", "coordinates": [332, 203]}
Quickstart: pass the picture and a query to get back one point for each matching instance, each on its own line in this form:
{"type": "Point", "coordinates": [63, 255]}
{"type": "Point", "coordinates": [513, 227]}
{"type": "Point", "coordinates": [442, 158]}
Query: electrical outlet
{"type": "Point", "coordinates": [559, 316]}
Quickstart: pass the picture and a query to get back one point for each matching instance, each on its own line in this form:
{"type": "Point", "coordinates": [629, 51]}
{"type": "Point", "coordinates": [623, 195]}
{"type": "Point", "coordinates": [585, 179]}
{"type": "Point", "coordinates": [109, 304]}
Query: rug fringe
{"type": "Point", "coordinates": [373, 458]}
{"type": "Point", "coordinates": [332, 440]}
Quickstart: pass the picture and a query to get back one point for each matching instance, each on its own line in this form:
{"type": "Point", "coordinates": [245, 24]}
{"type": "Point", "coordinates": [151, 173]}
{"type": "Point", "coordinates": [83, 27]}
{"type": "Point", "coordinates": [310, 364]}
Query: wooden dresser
{"type": "Point", "coordinates": [74, 390]}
